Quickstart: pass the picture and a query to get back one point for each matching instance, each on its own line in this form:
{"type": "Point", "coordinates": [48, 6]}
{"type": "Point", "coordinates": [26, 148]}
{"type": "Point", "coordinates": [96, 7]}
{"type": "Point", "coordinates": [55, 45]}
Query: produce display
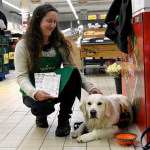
{"type": "Point", "coordinates": [94, 32]}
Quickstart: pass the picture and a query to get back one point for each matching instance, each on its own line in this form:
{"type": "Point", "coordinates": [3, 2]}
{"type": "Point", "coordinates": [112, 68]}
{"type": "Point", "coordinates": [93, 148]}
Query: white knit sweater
{"type": "Point", "coordinates": [22, 68]}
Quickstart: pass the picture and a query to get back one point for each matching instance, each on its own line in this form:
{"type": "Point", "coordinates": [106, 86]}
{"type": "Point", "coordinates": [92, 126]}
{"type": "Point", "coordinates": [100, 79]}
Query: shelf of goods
{"type": "Point", "coordinates": [11, 48]}
{"type": "Point", "coordinates": [94, 44]}
{"type": "Point", "coordinates": [4, 57]}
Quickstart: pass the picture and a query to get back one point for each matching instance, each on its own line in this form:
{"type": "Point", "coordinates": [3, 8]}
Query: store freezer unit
{"type": "Point", "coordinates": [136, 70]}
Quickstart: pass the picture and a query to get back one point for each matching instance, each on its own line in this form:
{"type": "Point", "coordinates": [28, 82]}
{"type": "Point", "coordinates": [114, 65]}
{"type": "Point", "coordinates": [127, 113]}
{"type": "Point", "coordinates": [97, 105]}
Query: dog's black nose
{"type": "Point", "coordinates": [93, 113]}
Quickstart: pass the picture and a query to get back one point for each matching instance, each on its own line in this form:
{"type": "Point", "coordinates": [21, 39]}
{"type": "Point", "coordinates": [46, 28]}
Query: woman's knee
{"type": "Point", "coordinates": [42, 108]}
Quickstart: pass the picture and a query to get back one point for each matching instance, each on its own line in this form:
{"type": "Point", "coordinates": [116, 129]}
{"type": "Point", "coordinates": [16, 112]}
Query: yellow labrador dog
{"type": "Point", "coordinates": [103, 117]}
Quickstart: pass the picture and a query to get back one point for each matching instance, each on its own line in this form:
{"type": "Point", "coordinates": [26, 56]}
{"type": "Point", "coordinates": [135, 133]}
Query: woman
{"type": "Point", "coordinates": [42, 49]}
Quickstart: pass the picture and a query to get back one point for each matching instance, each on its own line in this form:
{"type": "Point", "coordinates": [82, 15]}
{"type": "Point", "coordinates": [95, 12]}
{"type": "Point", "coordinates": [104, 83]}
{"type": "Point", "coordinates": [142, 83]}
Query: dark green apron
{"type": "Point", "coordinates": [52, 64]}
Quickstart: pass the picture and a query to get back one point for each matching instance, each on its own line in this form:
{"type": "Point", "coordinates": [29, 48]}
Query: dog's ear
{"type": "Point", "coordinates": [83, 107]}
{"type": "Point", "coordinates": [109, 108]}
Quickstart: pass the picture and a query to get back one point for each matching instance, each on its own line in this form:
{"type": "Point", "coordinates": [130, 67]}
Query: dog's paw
{"type": "Point", "coordinates": [83, 139]}
{"type": "Point", "coordinates": [76, 134]}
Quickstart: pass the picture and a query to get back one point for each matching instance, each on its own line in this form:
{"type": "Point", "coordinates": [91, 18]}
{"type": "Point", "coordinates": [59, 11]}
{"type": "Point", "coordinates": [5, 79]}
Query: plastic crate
{"type": "Point", "coordinates": [11, 62]}
{"type": "Point", "coordinates": [1, 69]}
{"type": "Point", "coordinates": [5, 68]}
{"type": "Point", "coordinates": [1, 59]}
{"type": "Point", "coordinates": [1, 49]}
{"type": "Point", "coordinates": [4, 49]}
{"type": "Point", "coordinates": [3, 39]}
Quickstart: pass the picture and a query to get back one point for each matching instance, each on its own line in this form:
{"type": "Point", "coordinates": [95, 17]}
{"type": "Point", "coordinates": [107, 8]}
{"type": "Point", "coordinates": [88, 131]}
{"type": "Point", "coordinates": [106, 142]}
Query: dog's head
{"type": "Point", "coordinates": [96, 106]}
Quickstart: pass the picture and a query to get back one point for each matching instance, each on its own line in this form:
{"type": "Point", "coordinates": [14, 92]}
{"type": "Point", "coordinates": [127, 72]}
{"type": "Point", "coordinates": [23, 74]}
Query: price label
{"type": "Point", "coordinates": [6, 60]}
{"type": "Point", "coordinates": [11, 55]}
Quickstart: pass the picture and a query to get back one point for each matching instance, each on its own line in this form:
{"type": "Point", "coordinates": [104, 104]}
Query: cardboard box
{"type": "Point", "coordinates": [78, 63]}
{"type": "Point", "coordinates": [76, 55]}
{"type": "Point", "coordinates": [74, 45]}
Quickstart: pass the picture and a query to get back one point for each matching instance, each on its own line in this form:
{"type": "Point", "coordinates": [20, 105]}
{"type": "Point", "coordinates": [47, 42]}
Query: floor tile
{"type": "Point", "coordinates": [15, 136]}
{"type": "Point", "coordinates": [8, 148]}
{"type": "Point", "coordinates": [74, 148]}
{"type": "Point", "coordinates": [73, 143]}
{"type": "Point", "coordinates": [122, 148]}
{"type": "Point", "coordinates": [2, 136]}
{"type": "Point", "coordinates": [51, 148]}
{"type": "Point", "coordinates": [52, 143]}
{"type": "Point", "coordinates": [103, 143]}
{"type": "Point", "coordinates": [52, 136]}
{"type": "Point", "coordinates": [138, 148]}
{"type": "Point", "coordinates": [10, 143]}
{"type": "Point", "coordinates": [31, 143]}
{"type": "Point", "coordinates": [35, 136]}
{"type": "Point", "coordinates": [19, 132]}
{"type": "Point", "coordinates": [98, 148]}
{"type": "Point", "coordinates": [28, 148]}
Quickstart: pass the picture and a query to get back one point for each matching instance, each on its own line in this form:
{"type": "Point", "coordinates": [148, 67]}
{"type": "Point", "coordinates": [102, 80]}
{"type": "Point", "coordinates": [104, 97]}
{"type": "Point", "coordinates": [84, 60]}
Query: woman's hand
{"type": "Point", "coordinates": [95, 91]}
{"type": "Point", "coordinates": [41, 95]}
{"type": "Point", "coordinates": [4, 28]}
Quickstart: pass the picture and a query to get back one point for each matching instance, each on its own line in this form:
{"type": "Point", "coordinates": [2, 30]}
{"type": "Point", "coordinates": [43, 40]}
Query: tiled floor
{"type": "Point", "coordinates": [17, 124]}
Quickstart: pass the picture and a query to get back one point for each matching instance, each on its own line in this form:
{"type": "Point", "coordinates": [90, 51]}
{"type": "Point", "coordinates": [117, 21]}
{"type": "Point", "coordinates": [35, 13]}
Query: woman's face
{"type": "Point", "coordinates": [48, 23]}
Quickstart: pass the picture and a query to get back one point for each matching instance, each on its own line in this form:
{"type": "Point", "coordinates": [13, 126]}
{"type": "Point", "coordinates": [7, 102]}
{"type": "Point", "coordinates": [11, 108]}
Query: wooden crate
{"type": "Point", "coordinates": [94, 33]}
{"type": "Point", "coordinates": [106, 51]}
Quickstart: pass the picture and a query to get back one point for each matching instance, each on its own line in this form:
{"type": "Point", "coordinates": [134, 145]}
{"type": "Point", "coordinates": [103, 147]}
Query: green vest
{"type": "Point", "coordinates": [52, 64]}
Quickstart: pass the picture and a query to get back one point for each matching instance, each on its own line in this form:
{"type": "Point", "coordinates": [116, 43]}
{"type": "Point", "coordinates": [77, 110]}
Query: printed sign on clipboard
{"type": "Point", "coordinates": [48, 82]}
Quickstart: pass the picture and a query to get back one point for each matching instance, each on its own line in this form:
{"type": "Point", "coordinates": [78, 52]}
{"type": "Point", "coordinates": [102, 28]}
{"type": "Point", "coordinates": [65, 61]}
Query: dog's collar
{"type": "Point", "coordinates": [125, 116]}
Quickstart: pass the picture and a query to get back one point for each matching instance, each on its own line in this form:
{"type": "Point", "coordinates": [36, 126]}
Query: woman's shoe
{"type": "Point", "coordinates": [41, 122]}
{"type": "Point", "coordinates": [63, 128]}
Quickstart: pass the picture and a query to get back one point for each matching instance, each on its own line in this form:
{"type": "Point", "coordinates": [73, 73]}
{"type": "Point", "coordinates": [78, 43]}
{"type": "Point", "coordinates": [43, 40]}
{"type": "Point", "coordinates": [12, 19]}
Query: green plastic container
{"type": "Point", "coordinates": [1, 59]}
{"type": "Point", "coordinates": [1, 49]}
{"type": "Point", "coordinates": [11, 61]}
{"type": "Point", "coordinates": [4, 40]}
{"type": "Point", "coordinates": [1, 69]}
{"type": "Point", "coordinates": [5, 68]}
{"type": "Point", "coordinates": [4, 49]}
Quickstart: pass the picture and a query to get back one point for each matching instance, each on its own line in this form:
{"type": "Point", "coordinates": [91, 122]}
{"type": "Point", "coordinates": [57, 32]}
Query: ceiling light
{"type": "Point", "coordinates": [76, 16]}
{"type": "Point", "coordinates": [72, 8]}
{"type": "Point", "coordinates": [7, 3]}
{"type": "Point", "coordinates": [78, 22]}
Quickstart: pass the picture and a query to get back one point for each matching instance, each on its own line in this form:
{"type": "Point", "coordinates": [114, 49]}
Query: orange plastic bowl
{"type": "Point", "coordinates": [126, 139]}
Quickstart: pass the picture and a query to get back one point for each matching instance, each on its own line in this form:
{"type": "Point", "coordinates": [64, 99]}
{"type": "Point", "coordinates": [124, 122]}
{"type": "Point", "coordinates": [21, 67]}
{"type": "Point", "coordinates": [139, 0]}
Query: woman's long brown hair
{"type": "Point", "coordinates": [33, 35]}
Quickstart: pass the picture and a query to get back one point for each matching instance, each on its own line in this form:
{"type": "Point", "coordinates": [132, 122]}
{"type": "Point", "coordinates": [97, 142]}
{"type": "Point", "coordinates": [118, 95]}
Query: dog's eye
{"type": "Point", "coordinates": [89, 103]}
{"type": "Point", "coordinates": [99, 103]}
